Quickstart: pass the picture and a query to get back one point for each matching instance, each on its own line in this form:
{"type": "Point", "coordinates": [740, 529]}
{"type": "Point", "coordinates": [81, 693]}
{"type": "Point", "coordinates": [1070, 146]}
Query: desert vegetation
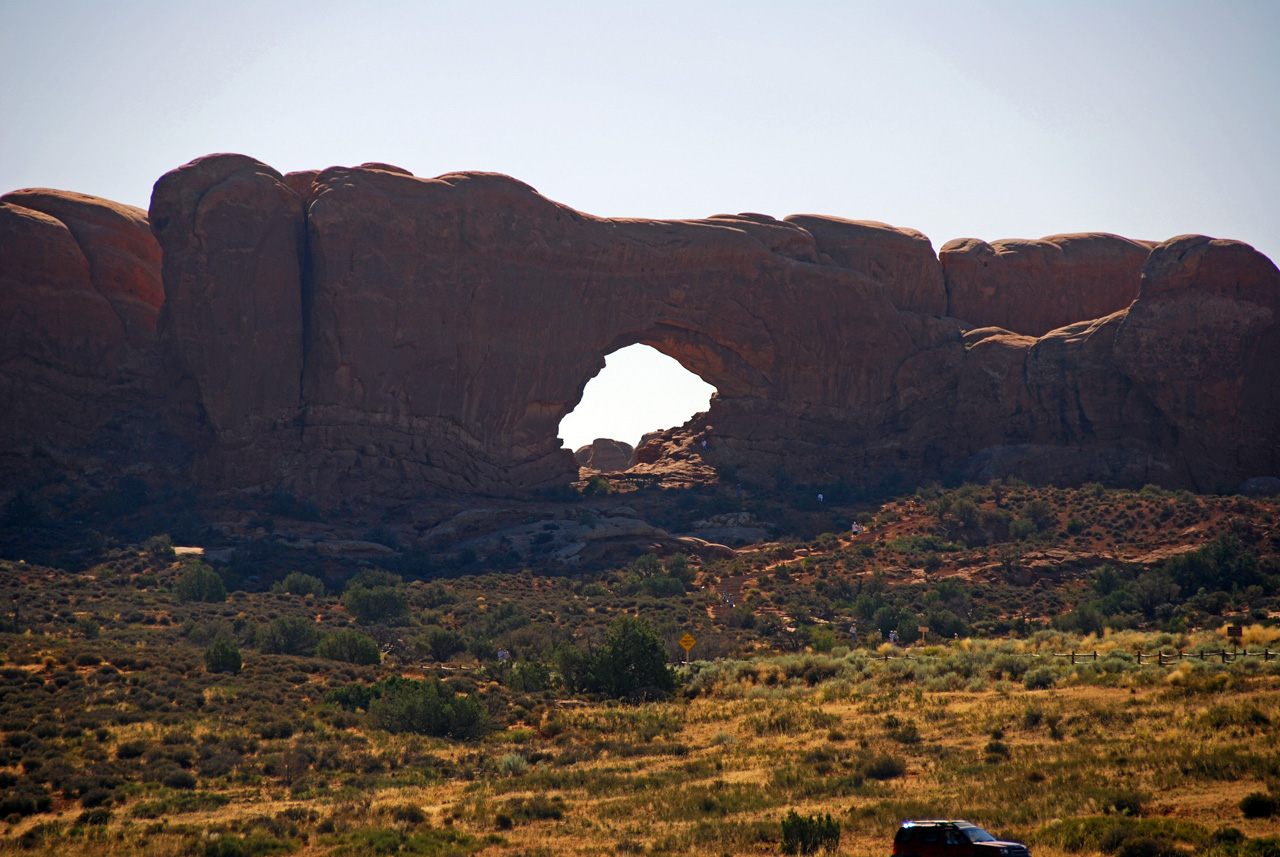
{"type": "Point", "coordinates": [154, 701]}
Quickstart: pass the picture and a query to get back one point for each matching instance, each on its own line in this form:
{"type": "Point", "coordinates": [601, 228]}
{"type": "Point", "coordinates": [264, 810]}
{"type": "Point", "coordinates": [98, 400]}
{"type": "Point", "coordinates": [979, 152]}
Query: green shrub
{"type": "Point", "coordinates": [1258, 805]}
{"type": "Point", "coordinates": [222, 656]}
{"type": "Point", "coordinates": [426, 707]}
{"type": "Point", "coordinates": [24, 802]}
{"type": "Point", "coordinates": [529, 677]}
{"type": "Point", "coordinates": [631, 662]}
{"type": "Point", "coordinates": [252, 845]}
{"type": "Point", "coordinates": [199, 582]}
{"type": "Point", "coordinates": [377, 604]}
{"type": "Point", "coordinates": [807, 834]}
{"type": "Point", "coordinates": [1038, 679]}
{"type": "Point", "coordinates": [289, 635]}
{"type": "Point", "coordinates": [1022, 528]}
{"type": "Point", "coordinates": [883, 767]}
{"type": "Point", "coordinates": [513, 764]}
{"type": "Point", "coordinates": [159, 548]}
{"type": "Point", "coordinates": [822, 639]}
{"type": "Point", "coordinates": [180, 779]}
{"type": "Point", "coordinates": [351, 697]}
{"type": "Point", "coordinates": [440, 644]}
{"type": "Point", "coordinates": [597, 484]}
{"type": "Point", "coordinates": [351, 647]}
{"type": "Point", "coordinates": [297, 583]}
{"type": "Point", "coordinates": [96, 817]}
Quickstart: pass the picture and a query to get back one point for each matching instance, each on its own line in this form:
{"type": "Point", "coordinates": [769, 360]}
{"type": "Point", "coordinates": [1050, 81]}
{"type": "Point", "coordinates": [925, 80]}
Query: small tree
{"type": "Point", "coordinates": [222, 656]}
{"type": "Point", "coordinates": [199, 582]}
{"type": "Point", "coordinates": [529, 677]}
{"type": "Point", "coordinates": [349, 646]}
{"type": "Point", "coordinates": [678, 567]}
{"type": "Point", "coordinates": [160, 548]}
{"type": "Point", "coordinates": [440, 644]}
{"type": "Point", "coordinates": [632, 659]}
{"type": "Point", "coordinates": [289, 635]}
{"type": "Point", "coordinates": [377, 604]}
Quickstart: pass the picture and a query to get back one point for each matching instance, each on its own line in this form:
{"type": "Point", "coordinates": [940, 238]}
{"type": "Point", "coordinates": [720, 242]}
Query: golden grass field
{"type": "Point", "coordinates": [1170, 749]}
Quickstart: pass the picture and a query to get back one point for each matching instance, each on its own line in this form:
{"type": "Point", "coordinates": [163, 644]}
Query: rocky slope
{"type": "Point", "coordinates": [366, 334]}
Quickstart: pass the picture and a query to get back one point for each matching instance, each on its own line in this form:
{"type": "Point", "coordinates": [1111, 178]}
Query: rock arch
{"type": "Point", "coordinates": [364, 333]}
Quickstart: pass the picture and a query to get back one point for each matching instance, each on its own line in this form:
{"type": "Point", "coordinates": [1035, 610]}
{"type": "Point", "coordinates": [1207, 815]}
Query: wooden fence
{"type": "Point", "coordinates": [1167, 659]}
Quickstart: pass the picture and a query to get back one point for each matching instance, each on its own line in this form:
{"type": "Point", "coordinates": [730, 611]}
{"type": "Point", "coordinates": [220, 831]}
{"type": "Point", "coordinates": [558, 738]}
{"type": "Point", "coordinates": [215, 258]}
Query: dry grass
{"type": "Point", "coordinates": [714, 774]}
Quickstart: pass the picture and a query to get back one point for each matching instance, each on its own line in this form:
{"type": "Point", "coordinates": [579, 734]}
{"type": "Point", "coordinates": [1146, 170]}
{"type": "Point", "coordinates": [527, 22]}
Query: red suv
{"type": "Point", "coordinates": [947, 838]}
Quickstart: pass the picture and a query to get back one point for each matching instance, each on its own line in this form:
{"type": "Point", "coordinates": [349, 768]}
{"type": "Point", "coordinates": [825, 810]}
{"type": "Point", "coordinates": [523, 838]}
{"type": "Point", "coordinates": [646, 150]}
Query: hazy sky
{"type": "Point", "coordinates": [983, 119]}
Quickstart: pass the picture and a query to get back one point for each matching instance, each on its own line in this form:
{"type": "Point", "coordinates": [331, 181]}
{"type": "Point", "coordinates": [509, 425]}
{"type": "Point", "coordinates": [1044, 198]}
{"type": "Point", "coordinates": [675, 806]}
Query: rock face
{"type": "Point", "coordinates": [80, 384]}
{"type": "Point", "coordinates": [605, 454]}
{"type": "Point", "coordinates": [233, 232]}
{"type": "Point", "coordinates": [1034, 287]}
{"type": "Point", "coordinates": [364, 334]}
{"type": "Point", "coordinates": [900, 260]}
{"type": "Point", "coordinates": [1204, 338]}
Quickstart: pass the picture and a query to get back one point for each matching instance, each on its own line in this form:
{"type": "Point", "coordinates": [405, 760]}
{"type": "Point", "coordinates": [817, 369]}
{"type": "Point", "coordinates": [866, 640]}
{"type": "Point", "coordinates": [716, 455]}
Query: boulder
{"type": "Point", "coordinates": [1033, 287]}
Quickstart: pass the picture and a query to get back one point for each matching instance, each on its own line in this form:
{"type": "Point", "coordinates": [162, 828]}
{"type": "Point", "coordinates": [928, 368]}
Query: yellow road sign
{"type": "Point", "coordinates": [687, 641]}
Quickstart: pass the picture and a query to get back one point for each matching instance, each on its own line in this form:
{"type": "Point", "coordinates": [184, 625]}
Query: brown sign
{"type": "Point", "coordinates": [1235, 631]}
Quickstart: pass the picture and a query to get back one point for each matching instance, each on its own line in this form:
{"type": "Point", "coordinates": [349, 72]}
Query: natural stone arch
{"type": "Point", "coordinates": [446, 325]}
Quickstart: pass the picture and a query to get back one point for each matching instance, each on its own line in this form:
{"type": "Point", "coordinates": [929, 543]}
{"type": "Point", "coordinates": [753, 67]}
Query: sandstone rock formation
{"type": "Point", "coordinates": [366, 335]}
{"type": "Point", "coordinates": [604, 453]}
{"type": "Point", "coordinates": [80, 288]}
{"type": "Point", "coordinates": [902, 261]}
{"type": "Point", "coordinates": [233, 233]}
{"type": "Point", "coordinates": [1034, 287]}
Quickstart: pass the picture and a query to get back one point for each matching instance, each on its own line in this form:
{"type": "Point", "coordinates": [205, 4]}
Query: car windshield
{"type": "Point", "coordinates": [977, 834]}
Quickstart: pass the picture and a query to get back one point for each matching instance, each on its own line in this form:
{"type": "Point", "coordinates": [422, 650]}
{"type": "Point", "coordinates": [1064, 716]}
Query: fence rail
{"type": "Point", "coordinates": [1165, 660]}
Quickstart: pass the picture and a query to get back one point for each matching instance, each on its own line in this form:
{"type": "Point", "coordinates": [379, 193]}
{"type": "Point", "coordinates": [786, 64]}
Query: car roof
{"type": "Point", "coordinates": [920, 822]}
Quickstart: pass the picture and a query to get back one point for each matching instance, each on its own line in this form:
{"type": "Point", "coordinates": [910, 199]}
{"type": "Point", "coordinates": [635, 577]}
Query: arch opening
{"type": "Point", "coordinates": [639, 390]}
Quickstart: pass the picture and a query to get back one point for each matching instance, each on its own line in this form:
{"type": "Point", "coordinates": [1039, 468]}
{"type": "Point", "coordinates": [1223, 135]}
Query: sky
{"type": "Point", "coordinates": [960, 119]}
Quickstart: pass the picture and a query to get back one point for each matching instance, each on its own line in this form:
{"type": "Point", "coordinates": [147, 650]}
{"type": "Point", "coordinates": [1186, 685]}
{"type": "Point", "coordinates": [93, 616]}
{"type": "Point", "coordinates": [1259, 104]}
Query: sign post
{"type": "Point", "coordinates": [687, 641]}
{"type": "Point", "coordinates": [1234, 634]}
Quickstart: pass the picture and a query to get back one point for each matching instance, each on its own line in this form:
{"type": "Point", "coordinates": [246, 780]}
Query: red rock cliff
{"type": "Point", "coordinates": [364, 333]}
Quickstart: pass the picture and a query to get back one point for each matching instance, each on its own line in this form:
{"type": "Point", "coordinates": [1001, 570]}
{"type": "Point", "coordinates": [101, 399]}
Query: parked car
{"type": "Point", "coordinates": [951, 838]}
